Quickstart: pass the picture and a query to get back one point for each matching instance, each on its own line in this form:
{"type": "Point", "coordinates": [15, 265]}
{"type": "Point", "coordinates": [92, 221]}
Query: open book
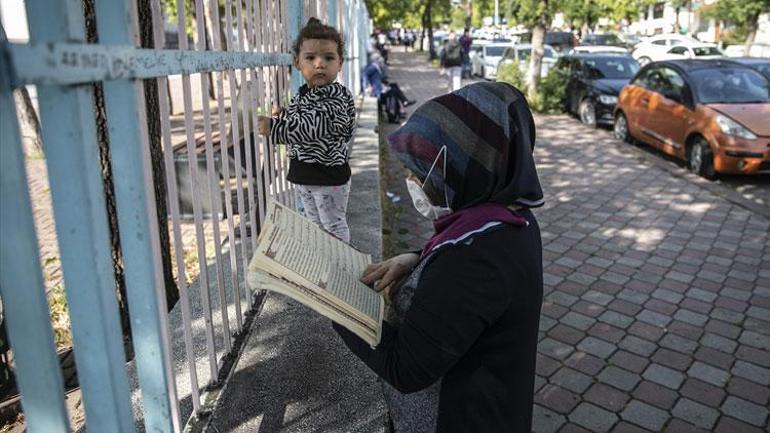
{"type": "Point", "coordinates": [297, 258]}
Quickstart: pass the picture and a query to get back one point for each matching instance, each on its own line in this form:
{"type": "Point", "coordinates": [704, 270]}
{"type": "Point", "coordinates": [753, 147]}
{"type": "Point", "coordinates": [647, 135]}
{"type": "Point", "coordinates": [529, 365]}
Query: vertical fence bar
{"type": "Point", "coordinates": [200, 239]}
{"type": "Point", "coordinates": [69, 137]}
{"type": "Point", "coordinates": [235, 121]}
{"type": "Point", "coordinates": [21, 281]}
{"type": "Point", "coordinates": [127, 124]}
{"type": "Point", "coordinates": [173, 199]}
{"type": "Point", "coordinates": [224, 140]}
{"type": "Point", "coordinates": [332, 14]}
{"type": "Point", "coordinates": [213, 182]}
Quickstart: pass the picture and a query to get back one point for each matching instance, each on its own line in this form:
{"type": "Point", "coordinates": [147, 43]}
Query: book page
{"type": "Point", "coordinates": [326, 263]}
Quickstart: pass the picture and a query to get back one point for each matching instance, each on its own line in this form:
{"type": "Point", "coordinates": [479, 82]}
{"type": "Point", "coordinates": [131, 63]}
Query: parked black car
{"type": "Point", "coordinates": [562, 42]}
{"type": "Point", "coordinates": [610, 39]}
{"type": "Point", "coordinates": [594, 82]}
{"type": "Point", "coordinates": [761, 64]}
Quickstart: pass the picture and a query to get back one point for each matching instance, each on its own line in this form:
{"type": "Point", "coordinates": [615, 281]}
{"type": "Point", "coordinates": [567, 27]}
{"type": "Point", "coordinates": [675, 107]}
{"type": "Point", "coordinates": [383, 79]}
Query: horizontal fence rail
{"type": "Point", "coordinates": [174, 128]}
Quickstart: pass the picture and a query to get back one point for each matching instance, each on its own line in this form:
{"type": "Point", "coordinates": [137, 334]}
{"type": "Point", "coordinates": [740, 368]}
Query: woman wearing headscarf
{"type": "Point", "coordinates": [457, 352]}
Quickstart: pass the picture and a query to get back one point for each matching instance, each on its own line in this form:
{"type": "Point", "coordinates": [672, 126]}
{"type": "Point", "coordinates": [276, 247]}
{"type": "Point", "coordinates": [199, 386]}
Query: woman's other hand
{"type": "Point", "coordinates": [383, 275]}
{"type": "Point", "coordinates": [263, 124]}
{"type": "Point", "coordinates": [277, 110]}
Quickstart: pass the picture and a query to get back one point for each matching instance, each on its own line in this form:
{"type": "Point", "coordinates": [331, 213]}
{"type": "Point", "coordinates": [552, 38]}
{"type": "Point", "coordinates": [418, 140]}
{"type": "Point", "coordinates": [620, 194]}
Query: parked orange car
{"type": "Point", "coordinates": [713, 114]}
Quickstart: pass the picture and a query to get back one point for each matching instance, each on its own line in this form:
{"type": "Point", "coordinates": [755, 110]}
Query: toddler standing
{"type": "Point", "coordinates": [317, 126]}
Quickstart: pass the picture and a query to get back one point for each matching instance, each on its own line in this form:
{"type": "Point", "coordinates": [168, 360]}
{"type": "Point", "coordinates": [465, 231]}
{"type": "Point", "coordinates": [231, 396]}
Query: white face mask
{"type": "Point", "coordinates": [420, 199]}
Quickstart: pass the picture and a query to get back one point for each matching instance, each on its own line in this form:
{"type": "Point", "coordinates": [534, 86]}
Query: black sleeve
{"type": "Point", "coordinates": [458, 296]}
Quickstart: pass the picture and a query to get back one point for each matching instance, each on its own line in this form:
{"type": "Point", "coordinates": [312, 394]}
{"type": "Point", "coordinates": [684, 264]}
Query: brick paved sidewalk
{"type": "Point", "coordinates": [656, 314]}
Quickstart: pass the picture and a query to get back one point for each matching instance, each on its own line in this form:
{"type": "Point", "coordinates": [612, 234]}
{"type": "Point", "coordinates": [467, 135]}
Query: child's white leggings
{"type": "Point", "coordinates": [327, 206]}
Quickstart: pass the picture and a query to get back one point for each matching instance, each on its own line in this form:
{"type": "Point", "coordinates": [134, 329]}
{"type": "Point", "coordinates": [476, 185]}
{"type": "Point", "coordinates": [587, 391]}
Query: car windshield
{"type": "Point", "coordinates": [525, 52]}
{"type": "Point", "coordinates": [706, 51]}
{"type": "Point", "coordinates": [611, 68]}
{"type": "Point", "coordinates": [561, 38]}
{"type": "Point", "coordinates": [495, 51]}
{"type": "Point", "coordinates": [730, 86]}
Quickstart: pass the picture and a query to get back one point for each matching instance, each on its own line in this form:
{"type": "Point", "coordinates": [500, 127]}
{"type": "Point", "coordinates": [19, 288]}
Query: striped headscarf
{"type": "Point", "coordinates": [490, 135]}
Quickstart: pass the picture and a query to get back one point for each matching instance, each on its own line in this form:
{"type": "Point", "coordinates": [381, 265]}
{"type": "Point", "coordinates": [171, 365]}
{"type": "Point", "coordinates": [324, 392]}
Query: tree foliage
{"type": "Point", "coordinates": [743, 14]}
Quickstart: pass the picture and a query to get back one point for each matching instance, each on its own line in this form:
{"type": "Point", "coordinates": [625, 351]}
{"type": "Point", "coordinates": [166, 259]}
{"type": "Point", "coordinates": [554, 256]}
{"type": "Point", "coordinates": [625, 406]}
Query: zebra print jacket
{"type": "Point", "coordinates": [318, 125]}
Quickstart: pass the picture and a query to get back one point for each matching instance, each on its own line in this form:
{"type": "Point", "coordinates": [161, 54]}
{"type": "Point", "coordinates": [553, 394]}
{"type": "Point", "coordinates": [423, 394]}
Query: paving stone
{"type": "Point", "coordinates": [629, 261]}
{"type": "Point", "coordinates": [614, 277]}
{"type": "Point", "coordinates": [606, 397]}
{"type": "Point", "coordinates": [581, 278]}
{"type": "Point", "coordinates": [553, 310]}
{"type": "Point", "coordinates": [572, 380]}
{"type": "Point", "coordinates": [695, 413]}
{"type": "Point", "coordinates": [702, 392]}
{"type": "Point", "coordinates": [668, 296]}
{"type": "Point", "coordinates": [665, 376]}
{"type": "Point", "coordinates": [551, 280]}
{"type": "Point", "coordinates": [562, 298]}
{"type": "Point", "coordinates": [676, 425]}
{"type": "Point", "coordinates": [679, 344]}
{"type": "Point", "coordinates": [566, 334]}
{"type": "Point", "coordinates": [653, 318]}
{"type": "Point", "coordinates": [606, 332]}
{"type": "Point", "coordinates": [685, 330]}
{"type": "Point", "coordinates": [637, 345]}
{"type": "Point", "coordinates": [554, 348]}
{"type": "Point", "coordinates": [597, 297]}
{"type": "Point", "coordinates": [752, 372]}
{"type": "Point", "coordinates": [587, 309]}
{"type": "Point", "coordinates": [568, 262]}
{"type": "Point", "coordinates": [656, 395]}
{"type": "Point", "coordinates": [745, 411]}
{"type": "Point", "coordinates": [646, 331]}
{"type": "Point", "coordinates": [616, 319]}
{"type": "Point", "coordinates": [546, 323]}
{"type": "Point", "coordinates": [747, 390]}
{"type": "Point", "coordinates": [624, 307]}
{"type": "Point", "coordinates": [701, 295]}
{"type": "Point", "coordinates": [755, 339]}
{"type": "Point", "coordinates": [596, 347]}
{"type": "Point", "coordinates": [624, 427]}
{"type": "Point", "coordinates": [600, 262]}
{"type": "Point", "coordinates": [585, 362]}
{"type": "Point", "coordinates": [754, 356]}
{"type": "Point", "coordinates": [732, 425]}
{"type": "Point", "coordinates": [545, 420]}
{"type": "Point", "coordinates": [709, 374]}
{"type": "Point", "coordinates": [619, 378]}
{"type": "Point", "coordinates": [715, 358]}
{"type": "Point", "coordinates": [629, 361]}
{"type": "Point", "coordinates": [593, 418]}
{"type": "Point", "coordinates": [679, 276]}
{"type": "Point", "coordinates": [577, 320]}
{"type": "Point", "coordinates": [645, 415]}
{"type": "Point", "coordinates": [724, 329]}
{"type": "Point", "coordinates": [633, 296]}
{"type": "Point", "coordinates": [691, 317]}
{"type": "Point", "coordinates": [741, 295]}
{"type": "Point", "coordinates": [556, 398]}
{"type": "Point", "coordinates": [669, 358]}
{"type": "Point", "coordinates": [718, 342]}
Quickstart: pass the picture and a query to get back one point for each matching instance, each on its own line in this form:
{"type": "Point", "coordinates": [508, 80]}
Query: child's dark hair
{"type": "Point", "coordinates": [315, 29]}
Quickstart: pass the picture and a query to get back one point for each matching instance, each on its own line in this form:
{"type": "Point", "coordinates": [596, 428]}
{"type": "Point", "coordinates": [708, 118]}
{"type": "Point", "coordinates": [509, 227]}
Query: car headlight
{"type": "Point", "coordinates": [731, 127]}
{"type": "Point", "coordinates": [608, 99]}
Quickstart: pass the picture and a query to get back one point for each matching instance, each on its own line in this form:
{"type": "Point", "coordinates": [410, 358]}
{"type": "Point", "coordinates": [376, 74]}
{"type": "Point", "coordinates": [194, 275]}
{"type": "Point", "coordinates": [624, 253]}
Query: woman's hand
{"type": "Point", "coordinates": [383, 275]}
{"type": "Point", "coordinates": [277, 110]}
{"type": "Point", "coordinates": [263, 125]}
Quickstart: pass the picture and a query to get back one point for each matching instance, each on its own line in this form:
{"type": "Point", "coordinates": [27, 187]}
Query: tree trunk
{"type": "Point", "coordinates": [468, 13]}
{"type": "Point", "coordinates": [429, 25]}
{"type": "Point", "coordinates": [28, 121]}
{"type": "Point", "coordinates": [536, 59]}
{"type": "Point", "coordinates": [102, 136]}
{"type": "Point", "coordinates": [751, 26]}
{"type": "Point", "coordinates": [152, 107]}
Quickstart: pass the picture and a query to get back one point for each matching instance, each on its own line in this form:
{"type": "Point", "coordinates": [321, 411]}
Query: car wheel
{"type": "Point", "coordinates": [620, 128]}
{"type": "Point", "coordinates": [587, 113]}
{"type": "Point", "coordinates": [700, 159]}
{"type": "Point", "coordinates": [644, 60]}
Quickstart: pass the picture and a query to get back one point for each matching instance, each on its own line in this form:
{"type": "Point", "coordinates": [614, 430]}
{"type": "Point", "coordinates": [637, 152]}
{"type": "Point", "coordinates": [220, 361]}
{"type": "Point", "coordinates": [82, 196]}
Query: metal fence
{"type": "Point", "coordinates": [229, 171]}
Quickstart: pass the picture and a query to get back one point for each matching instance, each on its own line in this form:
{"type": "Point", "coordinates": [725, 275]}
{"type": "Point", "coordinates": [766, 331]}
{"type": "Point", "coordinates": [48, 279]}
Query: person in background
{"type": "Point", "coordinates": [465, 42]}
{"type": "Point", "coordinates": [458, 346]}
{"type": "Point", "coordinates": [318, 126]}
{"type": "Point", "coordinates": [452, 61]}
{"type": "Point", "coordinates": [390, 98]}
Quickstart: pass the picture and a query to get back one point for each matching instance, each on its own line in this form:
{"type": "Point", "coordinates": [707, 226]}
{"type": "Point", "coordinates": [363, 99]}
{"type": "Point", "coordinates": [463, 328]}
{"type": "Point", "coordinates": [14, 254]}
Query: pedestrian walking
{"type": "Point", "coordinates": [452, 62]}
{"type": "Point", "coordinates": [317, 127]}
{"type": "Point", "coordinates": [457, 351]}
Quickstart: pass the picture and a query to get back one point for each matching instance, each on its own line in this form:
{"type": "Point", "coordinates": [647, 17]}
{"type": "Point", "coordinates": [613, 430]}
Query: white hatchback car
{"type": "Point", "coordinates": [655, 47]}
{"type": "Point", "coordinates": [521, 53]}
{"type": "Point", "coordinates": [484, 62]}
{"type": "Point", "coordinates": [695, 51]}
